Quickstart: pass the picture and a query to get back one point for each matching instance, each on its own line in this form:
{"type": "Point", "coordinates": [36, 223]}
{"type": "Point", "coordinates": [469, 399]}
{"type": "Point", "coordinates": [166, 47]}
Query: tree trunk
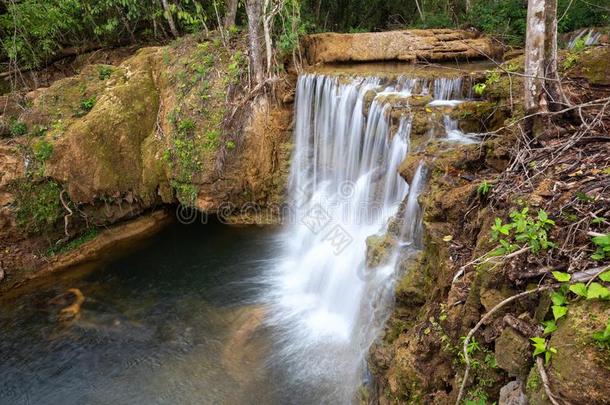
{"type": "Point", "coordinates": [267, 19]}
{"type": "Point", "coordinates": [254, 9]}
{"type": "Point", "coordinates": [552, 83]}
{"type": "Point", "coordinates": [420, 10]}
{"type": "Point", "coordinates": [230, 13]}
{"type": "Point", "coordinates": [170, 20]}
{"type": "Point", "coordinates": [316, 10]}
{"type": "Point", "coordinates": [534, 59]}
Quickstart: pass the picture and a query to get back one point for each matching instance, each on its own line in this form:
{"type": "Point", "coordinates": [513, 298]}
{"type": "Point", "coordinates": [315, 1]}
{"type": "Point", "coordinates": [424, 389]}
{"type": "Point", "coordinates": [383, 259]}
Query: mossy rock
{"type": "Point", "coordinates": [593, 65]}
{"type": "Point", "coordinates": [580, 370]}
{"type": "Point", "coordinates": [411, 289]}
{"type": "Point", "coordinates": [478, 116]}
{"type": "Point", "coordinates": [534, 388]}
{"type": "Point", "coordinates": [107, 143]}
{"type": "Point", "coordinates": [379, 249]}
{"type": "Point", "coordinates": [513, 353]}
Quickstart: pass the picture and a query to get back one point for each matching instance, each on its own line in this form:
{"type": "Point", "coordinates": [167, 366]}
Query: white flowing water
{"type": "Point", "coordinates": [344, 187]}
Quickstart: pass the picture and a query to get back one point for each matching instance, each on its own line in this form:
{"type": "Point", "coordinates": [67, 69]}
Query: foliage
{"type": "Point", "coordinates": [42, 150]}
{"type": "Point", "coordinates": [17, 128]}
{"type": "Point", "coordinates": [479, 88]}
{"type": "Point", "coordinates": [559, 298]}
{"type": "Point", "coordinates": [484, 188]}
{"type": "Point", "coordinates": [541, 347]}
{"type": "Point", "coordinates": [37, 204]}
{"type": "Point", "coordinates": [34, 31]}
{"type": "Point", "coordinates": [523, 229]}
{"type": "Point", "coordinates": [104, 72]}
{"type": "Point", "coordinates": [88, 103]}
{"type": "Point", "coordinates": [602, 244]}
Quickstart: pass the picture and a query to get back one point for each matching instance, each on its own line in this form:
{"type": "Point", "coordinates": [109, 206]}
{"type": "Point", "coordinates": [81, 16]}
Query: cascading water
{"type": "Point", "coordinates": [344, 187]}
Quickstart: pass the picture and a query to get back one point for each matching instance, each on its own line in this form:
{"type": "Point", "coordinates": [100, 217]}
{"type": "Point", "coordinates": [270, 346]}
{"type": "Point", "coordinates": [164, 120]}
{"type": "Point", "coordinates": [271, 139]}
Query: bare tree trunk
{"type": "Point", "coordinates": [267, 19]}
{"type": "Point", "coordinates": [552, 85]}
{"type": "Point", "coordinates": [419, 10]}
{"type": "Point", "coordinates": [230, 13]}
{"type": "Point", "coordinates": [170, 20]}
{"type": "Point", "coordinates": [534, 59]}
{"type": "Point", "coordinates": [316, 9]}
{"type": "Point", "coordinates": [254, 9]}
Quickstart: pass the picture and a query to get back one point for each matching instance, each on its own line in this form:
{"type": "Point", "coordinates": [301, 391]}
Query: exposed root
{"type": "Point", "coordinates": [545, 381]}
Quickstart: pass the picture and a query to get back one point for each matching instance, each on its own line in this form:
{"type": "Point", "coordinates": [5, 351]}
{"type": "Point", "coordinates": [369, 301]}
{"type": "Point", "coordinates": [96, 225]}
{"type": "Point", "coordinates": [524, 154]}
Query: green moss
{"type": "Point", "coordinates": [42, 150]}
{"type": "Point", "coordinates": [37, 204]}
{"type": "Point", "coordinates": [533, 380]}
{"type": "Point", "coordinates": [75, 243]}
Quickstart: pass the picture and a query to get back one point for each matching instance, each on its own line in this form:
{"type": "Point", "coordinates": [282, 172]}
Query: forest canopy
{"type": "Point", "coordinates": [34, 32]}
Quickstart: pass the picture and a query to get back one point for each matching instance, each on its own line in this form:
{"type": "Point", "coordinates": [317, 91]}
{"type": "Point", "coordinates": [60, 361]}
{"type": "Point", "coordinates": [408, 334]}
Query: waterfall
{"type": "Point", "coordinates": [344, 186]}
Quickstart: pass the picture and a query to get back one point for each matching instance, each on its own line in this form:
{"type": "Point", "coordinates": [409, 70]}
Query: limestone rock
{"type": "Point", "coordinates": [512, 394]}
{"type": "Point", "coordinates": [409, 45]}
{"type": "Point", "coordinates": [513, 352]}
{"type": "Point", "coordinates": [579, 371]}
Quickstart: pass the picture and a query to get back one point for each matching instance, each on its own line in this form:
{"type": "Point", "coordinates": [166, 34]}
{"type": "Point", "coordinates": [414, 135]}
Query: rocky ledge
{"type": "Point", "coordinates": [407, 46]}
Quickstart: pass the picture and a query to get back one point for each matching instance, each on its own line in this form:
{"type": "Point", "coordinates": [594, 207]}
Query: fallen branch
{"type": "Point", "coordinates": [478, 261]}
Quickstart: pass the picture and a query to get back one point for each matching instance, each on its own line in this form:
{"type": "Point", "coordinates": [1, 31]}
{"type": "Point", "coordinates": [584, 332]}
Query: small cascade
{"type": "Point", "coordinates": [590, 36]}
{"type": "Point", "coordinates": [448, 91]}
{"type": "Point", "coordinates": [454, 134]}
{"type": "Point", "coordinates": [345, 187]}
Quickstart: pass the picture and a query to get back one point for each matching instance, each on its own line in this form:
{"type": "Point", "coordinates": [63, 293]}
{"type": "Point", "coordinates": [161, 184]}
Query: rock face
{"type": "Point", "coordinates": [409, 45]}
{"type": "Point", "coordinates": [171, 124]}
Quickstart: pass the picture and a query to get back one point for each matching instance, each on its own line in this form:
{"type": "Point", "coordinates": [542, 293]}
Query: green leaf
{"type": "Point", "coordinates": [561, 276]}
{"type": "Point", "coordinates": [559, 311]}
{"type": "Point", "coordinates": [605, 276]}
{"type": "Point", "coordinates": [549, 327]}
{"type": "Point", "coordinates": [579, 289]}
{"type": "Point", "coordinates": [542, 215]}
{"type": "Point", "coordinates": [597, 290]}
{"type": "Point", "coordinates": [558, 299]}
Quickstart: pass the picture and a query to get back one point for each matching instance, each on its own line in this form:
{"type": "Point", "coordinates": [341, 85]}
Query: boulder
{"type": "Point", "coordinates": [512, 394]}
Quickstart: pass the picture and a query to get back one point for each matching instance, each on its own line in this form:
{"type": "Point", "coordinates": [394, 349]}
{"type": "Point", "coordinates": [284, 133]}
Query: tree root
{"type": "Point", "coordinates": [545, 381]}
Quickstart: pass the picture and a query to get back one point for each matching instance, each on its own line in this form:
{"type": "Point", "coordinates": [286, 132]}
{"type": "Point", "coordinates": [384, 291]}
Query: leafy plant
{"type": "Point", "coordinates": [541, 347]}
{"type": "Point", "coordinates": [37, 204]}
{"type": "Point", "coordinates": [602, 243]}
{"type": "Point", "coordinates": [524, 230]}
{"type": "Point", "coordinates": [88, 103]}
{"type": "Point", "coordinates": [186, 126]}
{"type": "Point", "coordinates": [484, 188]}
{"type": "Point", "coordinates": [42, 150]}
{"type": "Point", "coordinates": [549, 327]}
{"type": "Point", "coordinates": [18, 128]}
{"type": "Point", "coordinates": [104, 72]}
{"type": "Point", "coordinates": [479, 89]}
